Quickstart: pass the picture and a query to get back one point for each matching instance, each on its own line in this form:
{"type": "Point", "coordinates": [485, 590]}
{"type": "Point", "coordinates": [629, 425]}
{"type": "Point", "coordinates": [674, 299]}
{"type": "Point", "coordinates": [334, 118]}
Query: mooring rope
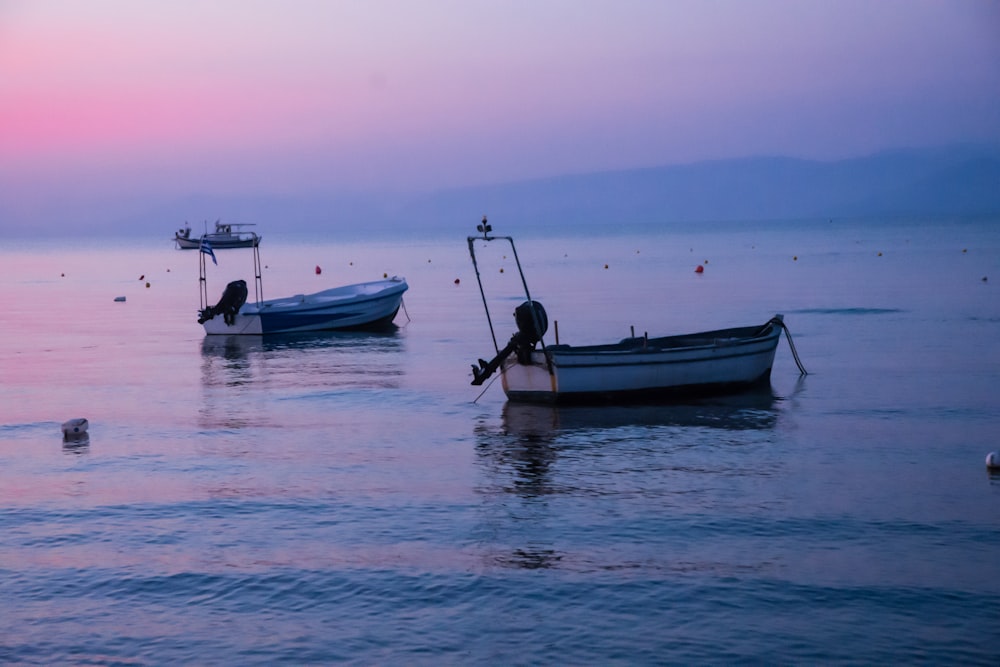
{"type": "Point", "coordinates": [791, 344]}
{"type": "Point", "coordinates": [488, 385]}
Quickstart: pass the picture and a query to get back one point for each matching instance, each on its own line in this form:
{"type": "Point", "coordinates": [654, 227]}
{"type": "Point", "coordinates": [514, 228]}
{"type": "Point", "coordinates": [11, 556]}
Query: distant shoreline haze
{"type": "Point", "coordinates": [960, 181]}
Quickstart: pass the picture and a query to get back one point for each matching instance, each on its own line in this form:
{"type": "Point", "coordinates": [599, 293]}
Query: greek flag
{"type": "Point", "coordinates": [206, 248]}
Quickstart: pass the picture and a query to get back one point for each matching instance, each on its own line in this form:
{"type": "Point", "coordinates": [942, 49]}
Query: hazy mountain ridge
{"type": "Point", "coordinates": [955, 181]}
{"type": "Point", "coordinates": [961, 181]}
{"type": "Point", "coordinates": [952, 181]}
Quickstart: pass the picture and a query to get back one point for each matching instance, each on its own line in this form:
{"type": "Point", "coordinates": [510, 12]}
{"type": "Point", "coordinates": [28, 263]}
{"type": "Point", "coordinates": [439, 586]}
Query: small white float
{"type": "Point", "coordinates": [75, 428]}
{"type": "Point", "coordinates": [993, 461]}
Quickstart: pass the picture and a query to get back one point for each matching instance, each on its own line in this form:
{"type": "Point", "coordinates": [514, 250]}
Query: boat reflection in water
{"type": "Point", "coordinates": [344, 341]}
{"type": "Point", "coordinates": [534, 435]}
{"type": "Point", "coordinates": [545, 463]}
{"type": "Point", "coordinates": [243, 376]}
{"type": "Point", "coordinates": [747, 411]}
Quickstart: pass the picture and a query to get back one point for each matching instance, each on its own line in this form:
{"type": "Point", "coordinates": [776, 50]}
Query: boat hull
{"type": "Point", "coordinates": [722, 361]}
{"type": "Point", "coordinates": [370, 305]}
{"type": "Point", "coordinates": [216, 242]}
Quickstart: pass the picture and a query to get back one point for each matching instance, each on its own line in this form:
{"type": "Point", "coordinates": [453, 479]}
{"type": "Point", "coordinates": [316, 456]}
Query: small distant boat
{"type": "Point", "coordinates": [635, 368]}
{"type": "Point", "coordinates": [225, 236]}
{"type": "Point", "coordinates": [371, 305]}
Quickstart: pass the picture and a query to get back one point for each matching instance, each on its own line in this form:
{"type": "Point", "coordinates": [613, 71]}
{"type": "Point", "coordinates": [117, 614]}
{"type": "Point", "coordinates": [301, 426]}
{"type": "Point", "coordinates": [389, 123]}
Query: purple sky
{"type": "Point", "coordinates": [121, 100]}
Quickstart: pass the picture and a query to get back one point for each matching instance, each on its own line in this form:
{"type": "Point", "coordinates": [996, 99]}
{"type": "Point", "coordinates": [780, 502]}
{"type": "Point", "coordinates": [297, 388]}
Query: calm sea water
{"type": "Point", "coordinates": [351, 498]}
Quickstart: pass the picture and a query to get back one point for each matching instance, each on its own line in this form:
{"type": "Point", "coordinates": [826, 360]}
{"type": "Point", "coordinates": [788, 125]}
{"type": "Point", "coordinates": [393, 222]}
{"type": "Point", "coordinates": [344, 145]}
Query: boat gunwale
{"type": "Point", "coordinates": [667, 357]}
{"type": "Point", "coordinates": [306, 302]}
{"type": "Point", "coordinates": [302, 303]}
{"type": "Point", "coordinates": [718, 338]}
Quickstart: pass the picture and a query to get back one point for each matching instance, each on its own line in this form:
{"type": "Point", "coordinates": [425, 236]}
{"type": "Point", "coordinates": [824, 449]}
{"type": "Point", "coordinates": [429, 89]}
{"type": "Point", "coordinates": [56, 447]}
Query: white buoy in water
{"type": "Point", "coordinates": [75, 428]}
{"type": "Point", "coordinates": [993, 461]}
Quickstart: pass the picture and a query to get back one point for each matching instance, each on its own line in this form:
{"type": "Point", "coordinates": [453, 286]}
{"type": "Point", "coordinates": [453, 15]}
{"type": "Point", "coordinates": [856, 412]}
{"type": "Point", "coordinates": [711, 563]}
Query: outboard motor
{"type": "Point", "coordinates": [532, 323]}
{"type": "Point", "coordinates": [233, 298]}
{"type": "Point", "coordinates": [531, 326]}
{"type": "Point", "coordinates": [526, 322]}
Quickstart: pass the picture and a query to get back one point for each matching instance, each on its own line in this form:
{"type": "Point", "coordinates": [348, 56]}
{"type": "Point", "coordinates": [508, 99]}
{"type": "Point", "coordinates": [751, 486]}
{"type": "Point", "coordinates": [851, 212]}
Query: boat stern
{"type": "Point", "coordinates": [529, 382]}
{"type": "Point", "coordinates": [243, 324]}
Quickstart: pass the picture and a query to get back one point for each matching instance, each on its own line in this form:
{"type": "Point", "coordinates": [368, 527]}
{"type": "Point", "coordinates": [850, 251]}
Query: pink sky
{"type": "Point", "coordinates": [119, 98]}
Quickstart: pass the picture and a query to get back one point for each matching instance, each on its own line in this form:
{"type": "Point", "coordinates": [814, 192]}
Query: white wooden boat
{"type": "Point", "coordinates": [677, 366]}
{"type": "Point", "coordinates": [692, 364]}
{"type": "Point", "coordinates": [370, 305]}
{"type": "Point", "coordinates": [225, 236]}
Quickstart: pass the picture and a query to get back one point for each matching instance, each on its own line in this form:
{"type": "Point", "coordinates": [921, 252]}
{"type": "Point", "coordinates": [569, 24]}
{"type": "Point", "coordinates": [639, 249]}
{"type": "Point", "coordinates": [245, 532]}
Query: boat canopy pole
{"type": "Point", "coordinates": [485, 228]}
{"type": "Point", "coordinates": [258, 285]}
{"type": "Point", "coordinates": [475, 265]}
{"type": "Point", "coordinates": [203, 285]}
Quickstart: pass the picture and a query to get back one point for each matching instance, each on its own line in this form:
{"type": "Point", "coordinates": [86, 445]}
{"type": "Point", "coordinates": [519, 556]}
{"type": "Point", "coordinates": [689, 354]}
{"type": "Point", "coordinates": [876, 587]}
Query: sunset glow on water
{"type": "Point", "coordinates": [351, 494]}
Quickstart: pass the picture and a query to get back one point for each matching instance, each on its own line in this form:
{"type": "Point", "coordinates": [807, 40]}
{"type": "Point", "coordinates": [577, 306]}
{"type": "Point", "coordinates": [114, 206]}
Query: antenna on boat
{"type": "Point", "coordinates": [485, 228]}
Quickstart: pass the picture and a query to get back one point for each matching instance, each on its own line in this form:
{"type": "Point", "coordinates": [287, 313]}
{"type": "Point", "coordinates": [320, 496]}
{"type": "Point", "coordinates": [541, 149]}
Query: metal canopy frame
{"type": "Point", "coordinates": [485, 228]}
{"type": "Point", "coordinates": [203, 282]}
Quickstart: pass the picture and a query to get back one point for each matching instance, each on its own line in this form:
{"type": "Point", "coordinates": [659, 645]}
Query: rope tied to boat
{"type": "Point", "coordinates": [791, 344]}
{"type": "Point", "coordinates": [488, 385]}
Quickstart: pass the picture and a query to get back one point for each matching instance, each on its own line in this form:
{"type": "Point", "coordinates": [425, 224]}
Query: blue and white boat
{"type": "Point", "coordinates": [371, 305]}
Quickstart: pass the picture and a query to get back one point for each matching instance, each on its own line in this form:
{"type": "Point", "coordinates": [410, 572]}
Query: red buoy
{"type": "Point", "coordinates": [699, 269]}
{"type": "Point", "coordinates": [318, 270]}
